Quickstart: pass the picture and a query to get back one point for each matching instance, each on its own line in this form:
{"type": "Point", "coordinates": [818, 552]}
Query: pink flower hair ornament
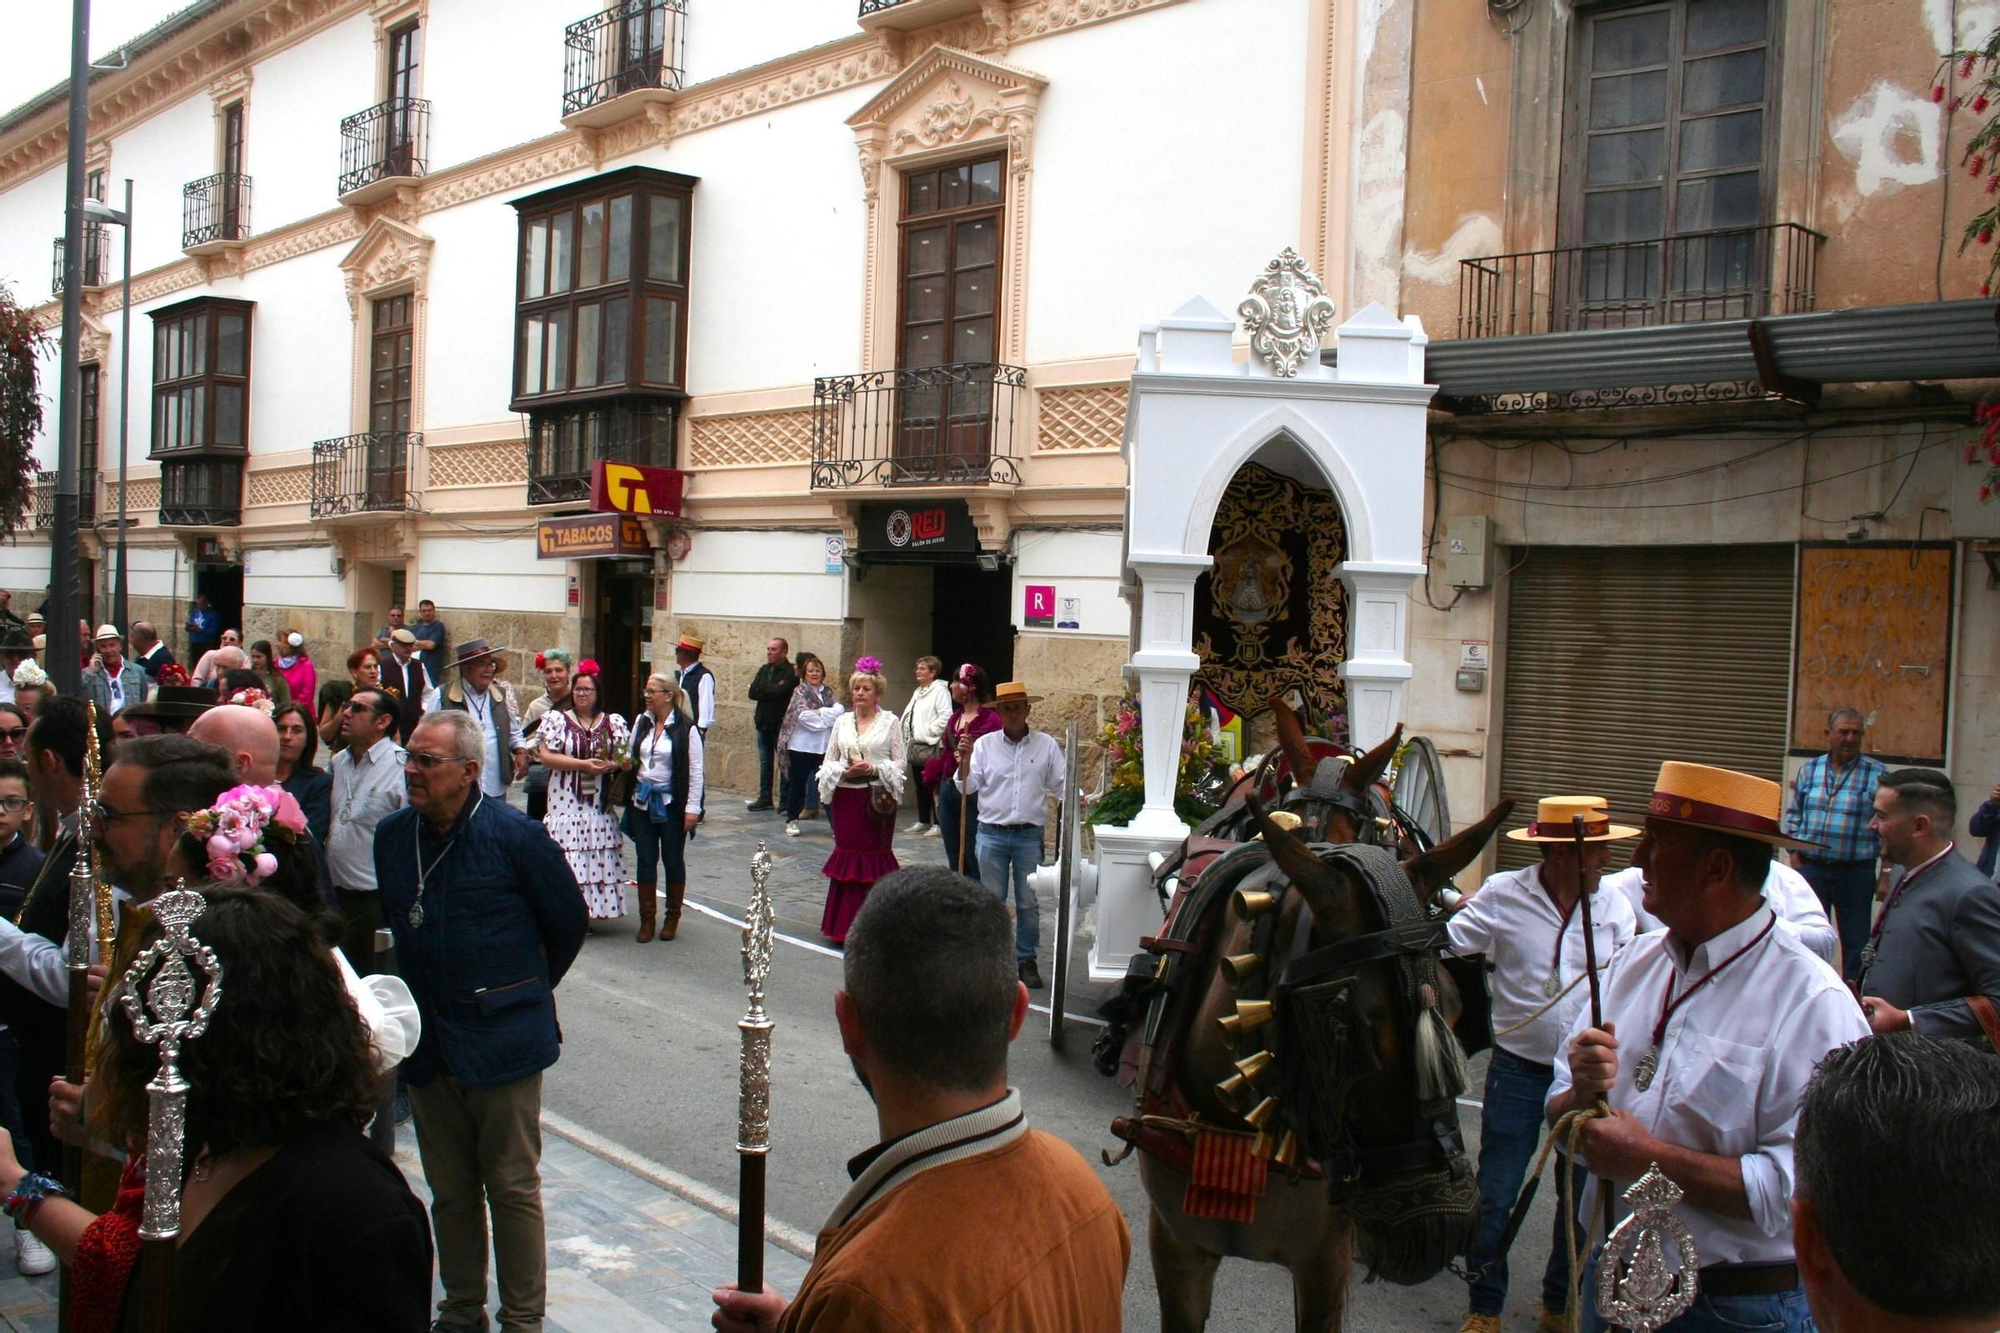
{"type": "Point", "coordinates": [232, 832]}
{"type": "Point", "coordinates": [868, 666]}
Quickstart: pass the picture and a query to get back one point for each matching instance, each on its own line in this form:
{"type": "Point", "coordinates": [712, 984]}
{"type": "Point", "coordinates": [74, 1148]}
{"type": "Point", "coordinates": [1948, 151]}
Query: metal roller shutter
{"type": "Point", "coordinates": [1619, 658]}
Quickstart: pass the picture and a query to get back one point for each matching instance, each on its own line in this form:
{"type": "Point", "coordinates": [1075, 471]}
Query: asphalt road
{"type": "Point", "coordinates": [650, 1057]}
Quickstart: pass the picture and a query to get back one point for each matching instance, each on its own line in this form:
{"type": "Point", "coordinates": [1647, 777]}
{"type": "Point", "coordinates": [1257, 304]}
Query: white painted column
{"type": "Point", "coordinates": [1377, 666]}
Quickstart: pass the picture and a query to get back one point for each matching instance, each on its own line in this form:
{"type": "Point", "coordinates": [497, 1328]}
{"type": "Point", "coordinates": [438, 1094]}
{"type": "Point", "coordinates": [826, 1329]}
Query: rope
{"type": "Point", "coordinates": [1580, 978]}
{"type": "Point", "coordinates": [1570, 1127]}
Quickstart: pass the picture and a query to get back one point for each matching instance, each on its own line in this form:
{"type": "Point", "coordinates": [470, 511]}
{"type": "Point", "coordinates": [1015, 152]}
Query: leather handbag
{"type": "Point", "coordinates": [619, 785]}
{"type": "Point", "coordinates": [881, 802]}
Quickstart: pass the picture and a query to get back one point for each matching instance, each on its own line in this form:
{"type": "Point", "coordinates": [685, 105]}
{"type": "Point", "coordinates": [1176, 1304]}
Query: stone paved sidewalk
{"type": "Point", "coordinates": [626, 1254]}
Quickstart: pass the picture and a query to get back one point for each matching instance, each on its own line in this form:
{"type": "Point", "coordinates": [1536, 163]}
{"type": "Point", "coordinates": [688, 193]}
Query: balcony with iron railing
{"type": "Point", "coordinates": [215, 213]}
{"type": "Point", "coordinates": [566, 444]}
{"type": "Point", "coordinates": [955, 424]}
{"type": "Point", "coordinates": [370, 473]}
{"type": "Point", "coordinates": [386, 146]}
{"type": "Point", "coordinates": [201, 493]}
{"type": "Point", "coordinates": [1695, 277]}
{"type": "Point", "coordinates": [907, 14]}
{"type": "Point", "coordinates": [622, 58]}
{"type": "Point", "coordinates": [44, 515]}
{"type": "Point", "coordinates": [96, 259]}
{"type": "Point", "coordinates": [87, 484]}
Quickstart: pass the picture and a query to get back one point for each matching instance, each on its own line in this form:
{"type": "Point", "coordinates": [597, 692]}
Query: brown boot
{"type": "Point", "coordinates": [670, 924]}
{"type": "Point", "coordinates": [648, 906]}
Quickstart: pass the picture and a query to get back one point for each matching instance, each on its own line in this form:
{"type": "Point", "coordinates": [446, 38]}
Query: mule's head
{"type": "Point", "coordinates": [1360, 1026]}
{"type": "Point", "coordinates": [1334, 798]}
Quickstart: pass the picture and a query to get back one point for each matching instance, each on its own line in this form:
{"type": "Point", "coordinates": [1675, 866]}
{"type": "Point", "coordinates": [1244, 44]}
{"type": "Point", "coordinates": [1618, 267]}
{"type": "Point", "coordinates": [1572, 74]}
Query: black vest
{"type": "Point", "coordinates": [677, 736]}
{"type": "Point", "coordinates": [406, 682]}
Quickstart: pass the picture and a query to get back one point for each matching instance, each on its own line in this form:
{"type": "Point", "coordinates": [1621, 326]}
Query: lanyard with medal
{"type": "Point", "coordinates": [1874, 945]}
{"type": "Point", "coordinates": [1649, 1064]}
{"type": "Point", "coordinates": [424, 872]}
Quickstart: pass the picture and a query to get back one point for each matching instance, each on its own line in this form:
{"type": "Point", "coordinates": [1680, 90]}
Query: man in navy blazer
{"type": "Point", "coordinates": [487, 918]}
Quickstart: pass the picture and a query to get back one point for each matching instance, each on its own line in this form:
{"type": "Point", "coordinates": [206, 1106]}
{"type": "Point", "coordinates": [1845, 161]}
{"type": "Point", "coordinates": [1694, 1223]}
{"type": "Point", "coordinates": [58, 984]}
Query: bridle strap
{"type": "Point", "coordinates": [1413, 939]}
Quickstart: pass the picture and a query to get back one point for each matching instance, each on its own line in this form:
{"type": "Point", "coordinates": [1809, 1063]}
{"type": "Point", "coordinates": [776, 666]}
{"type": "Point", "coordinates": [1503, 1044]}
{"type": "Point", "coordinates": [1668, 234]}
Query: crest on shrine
{"type": "Point", "coordinates": [1288, 313]}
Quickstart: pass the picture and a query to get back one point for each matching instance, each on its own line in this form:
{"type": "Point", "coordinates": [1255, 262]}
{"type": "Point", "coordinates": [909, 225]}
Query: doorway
{"type": "Point", "coordinates": [972, 619]}
{"type": "Point", "coordinates": [624, 606]}
{"type": "Point", "coordinates": [223, 585]}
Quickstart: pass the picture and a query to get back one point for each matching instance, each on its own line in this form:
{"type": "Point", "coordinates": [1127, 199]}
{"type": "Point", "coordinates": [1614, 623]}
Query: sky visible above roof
{"type": "Point", "coordinates": [39, 31]}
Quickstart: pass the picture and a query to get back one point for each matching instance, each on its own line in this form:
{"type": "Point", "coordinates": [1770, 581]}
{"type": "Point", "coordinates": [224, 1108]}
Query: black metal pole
{"type": "Point", "coordinates": [63, 658]}
{"type": "Point", "coordinates": [120, 610]}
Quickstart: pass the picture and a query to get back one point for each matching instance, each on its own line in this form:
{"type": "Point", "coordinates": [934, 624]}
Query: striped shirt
{"type": "Point", "coordinates": [1833, 806]}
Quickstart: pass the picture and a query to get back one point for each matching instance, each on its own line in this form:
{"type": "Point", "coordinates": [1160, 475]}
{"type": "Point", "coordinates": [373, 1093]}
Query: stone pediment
{"type": "Point", "coordinates": [945, 97]}
{"type": "Point", "coordinates": [388, 252]}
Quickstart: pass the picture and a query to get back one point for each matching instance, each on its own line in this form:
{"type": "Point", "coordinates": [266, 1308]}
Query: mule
{"type": "Point", "coordinates": [1370, 1109]}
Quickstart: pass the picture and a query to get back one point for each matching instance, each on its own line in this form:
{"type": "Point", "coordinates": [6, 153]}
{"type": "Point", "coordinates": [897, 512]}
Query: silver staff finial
{"type": "Point", "coordinates": [753, 1121]}
{"type": "Point", "coordinates": [1636, 1287]}
{"type": "Point", "coordinates": [165, 1013]}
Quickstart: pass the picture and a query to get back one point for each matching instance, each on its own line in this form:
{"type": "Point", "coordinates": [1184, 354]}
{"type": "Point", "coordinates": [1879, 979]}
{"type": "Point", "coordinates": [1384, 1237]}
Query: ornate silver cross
{"type": "Point", "coordinates": [1636, 1287]}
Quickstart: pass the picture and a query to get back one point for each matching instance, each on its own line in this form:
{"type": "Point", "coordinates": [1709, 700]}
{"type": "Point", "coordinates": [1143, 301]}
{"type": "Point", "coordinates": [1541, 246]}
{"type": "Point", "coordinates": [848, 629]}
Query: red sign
{"type": "Point", "coordinates": [628, 488]}
{"type": "Point", "coordinates": [1038, 606]}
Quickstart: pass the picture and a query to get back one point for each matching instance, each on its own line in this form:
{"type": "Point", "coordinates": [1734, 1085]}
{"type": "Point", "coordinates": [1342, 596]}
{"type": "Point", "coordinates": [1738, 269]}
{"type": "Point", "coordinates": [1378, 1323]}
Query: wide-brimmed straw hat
{"type": "Point", "coordinates": [1723, 800]}
{"type": "Point", "coordinates": [1014, 692]}
{"type": "Point", "coordinates": [694, 643]}
{"type": "Point", "coordinates": [1555, 821]}
{"type": "Point", "coordinates": [472, 650]}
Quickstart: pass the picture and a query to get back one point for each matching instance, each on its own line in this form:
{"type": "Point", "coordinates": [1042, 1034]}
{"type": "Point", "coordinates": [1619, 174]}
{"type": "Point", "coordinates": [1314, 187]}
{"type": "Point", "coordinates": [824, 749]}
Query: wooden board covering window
{"type": "Point", "coordinates": [1875, 634]}
{"type": "Point", "coordinates": [1619, 658]}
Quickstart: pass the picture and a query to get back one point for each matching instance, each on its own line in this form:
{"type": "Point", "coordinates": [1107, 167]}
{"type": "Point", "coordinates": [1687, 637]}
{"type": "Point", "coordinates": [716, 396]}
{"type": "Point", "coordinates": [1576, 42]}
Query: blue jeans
{"type": "Point", "coordinates": [952, 811]}
{"type": "Point", "coordinates": [1014, 853]}
{"type": "Point", "coordinates": [1510, 1127]}
{"type": "Point", "coordinates": [767, 753]}
{"type": "Point", "coordinates": [1846, 890]}
{"type": "Point", "coordinates": [1783, 1313]}
{"type": "Point", "coordinates": [658, 847]}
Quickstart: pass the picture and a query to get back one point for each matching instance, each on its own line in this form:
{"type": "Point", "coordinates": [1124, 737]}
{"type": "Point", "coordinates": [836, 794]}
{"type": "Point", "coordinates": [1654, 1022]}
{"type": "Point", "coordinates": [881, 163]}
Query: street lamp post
{"type": "Point", "coordinates": [105, 213]}
{"type": "Point", "coordinates": [64, 658]}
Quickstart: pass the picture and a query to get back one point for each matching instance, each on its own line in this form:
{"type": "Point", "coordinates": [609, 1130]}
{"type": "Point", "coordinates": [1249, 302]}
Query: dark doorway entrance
{"type": "Point", "coordinates": [624, 591]}
{"type": "Point", "coordinates": [224, 586]}
{"type": "Point", "coordinates": [972, 621]}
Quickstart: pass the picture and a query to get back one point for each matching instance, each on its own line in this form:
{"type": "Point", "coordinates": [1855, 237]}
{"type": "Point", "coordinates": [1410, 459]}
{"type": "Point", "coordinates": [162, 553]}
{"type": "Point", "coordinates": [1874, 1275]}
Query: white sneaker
{"type": "Point", "coordinates": [32, 1257]}
{"type": "Point", "coordinates": [932, 831]}
{"type": "Point", "coordinates": [792, 829]}
{"type": "Point", "coordinates": [917, 828]}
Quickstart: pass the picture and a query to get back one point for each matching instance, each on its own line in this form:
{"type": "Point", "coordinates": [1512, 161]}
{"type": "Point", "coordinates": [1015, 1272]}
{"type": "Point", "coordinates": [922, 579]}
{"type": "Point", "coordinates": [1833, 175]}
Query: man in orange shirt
{"type": "Point", "coordinates": [961, 1217]}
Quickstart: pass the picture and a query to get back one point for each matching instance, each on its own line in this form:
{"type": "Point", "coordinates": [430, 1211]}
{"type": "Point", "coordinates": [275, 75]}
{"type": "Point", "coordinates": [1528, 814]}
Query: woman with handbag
{"type": "Point", "coordinates": [583, 746]}
{"type": "Point", "coordinates": [923, 728]}
{"type": "Point", "coordinates": [860, 782]}
{"type": "Point", "coordinates": [664, 803]}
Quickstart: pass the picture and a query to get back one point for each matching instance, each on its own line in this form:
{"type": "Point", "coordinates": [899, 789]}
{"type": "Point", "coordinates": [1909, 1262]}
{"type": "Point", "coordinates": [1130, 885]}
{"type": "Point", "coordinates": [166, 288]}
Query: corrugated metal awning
{"type": "Point", "coordinates": [1938, 340]}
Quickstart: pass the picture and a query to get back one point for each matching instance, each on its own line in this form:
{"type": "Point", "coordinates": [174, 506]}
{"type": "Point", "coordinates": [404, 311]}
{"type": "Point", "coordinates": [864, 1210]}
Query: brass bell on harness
{"type": "Point", "coordinates": [1238, 968]}
{"type": "Point", "coordinates": [1262, 1114]}
{"type": "Point", "coordinates": [1248, 1070]}
{"type": "Point", "coordinates": [1287, 1154]}
{"type": "Point", "coordinates": [1263, 1146]}
{"type": "Point", "coordinates": [1252, 903]}
{"type": "Point", "coordinates": [1249, 1016]}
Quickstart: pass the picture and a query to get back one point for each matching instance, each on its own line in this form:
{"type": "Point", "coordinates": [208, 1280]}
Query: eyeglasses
{"type": "Point", "coordinates": [104, 814]}
{"type": "Point", "coordinates": [13, 735]}
{"type": "Point", "coordinates": [366, 708]}
{"type": "Point", "coordinates": [14, 805]}
{"type": "Point", "coordinates": [427, 761]}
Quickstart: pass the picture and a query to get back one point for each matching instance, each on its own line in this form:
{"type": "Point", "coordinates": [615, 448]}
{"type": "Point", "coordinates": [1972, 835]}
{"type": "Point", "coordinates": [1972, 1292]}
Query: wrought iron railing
{"type": "Point", "coordinates": [1734, 273]}
{"type": "Point", "coordinates": [940, 424]}
{"type": "Point", "coordinates": [96, 258]}
{"type": "Point", "coordinates": [389, 140]}
{"type": "Point", "coordinates": [563, 447]}
{"type": "Point", "coordinates": [366, 473]}
{"type": "Point", "coordinates": [634, 45]}
{"type": "Point", "coordinates": [876, 6]}
{"type": "Point", "coordinates": [215, 208]}
{"type": "Point", "coordinates": [202, 493]}
{"type": "Point", "coordinates": [45, 498]}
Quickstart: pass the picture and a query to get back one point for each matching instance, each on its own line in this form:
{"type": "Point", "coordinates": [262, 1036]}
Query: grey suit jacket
{"type": "Point", "coordinates": [1940, 943]}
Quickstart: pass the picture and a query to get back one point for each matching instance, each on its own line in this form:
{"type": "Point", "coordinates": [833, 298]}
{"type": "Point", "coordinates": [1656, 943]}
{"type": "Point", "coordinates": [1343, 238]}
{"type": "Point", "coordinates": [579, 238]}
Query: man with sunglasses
{"type": "Point", "coordinates": [367, 784]}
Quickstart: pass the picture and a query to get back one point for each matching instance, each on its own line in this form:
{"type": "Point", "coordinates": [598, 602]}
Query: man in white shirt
{"type": "Point", "coordinates": [505, 758]}
{"type": "Point", "coordinates": [1529, 924]}
{"type": "Point", "coordinates": [367, 784]}
{"type": "Point", "coordinates": [1014, 772]}
{"type": "Point", "coordinates": [1790, 894]}
{"type": "Point", "coordinates": [696, 680]}
{"type": "Point", "coordinates": [1711, 1030]}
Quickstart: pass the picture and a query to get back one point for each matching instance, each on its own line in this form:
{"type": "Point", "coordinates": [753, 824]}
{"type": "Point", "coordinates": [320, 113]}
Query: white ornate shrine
{"type": "Point", "coordinates": [1197, 415]}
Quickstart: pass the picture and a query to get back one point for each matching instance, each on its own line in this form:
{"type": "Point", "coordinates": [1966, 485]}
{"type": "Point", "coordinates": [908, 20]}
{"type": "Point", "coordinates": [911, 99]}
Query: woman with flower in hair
{"type": "Point", "coordinates": [957, 814]}
{"type": "Point", "coordinates": [860, 782]}
{"type": "Point", "coordinates": [555, 666]}
{"type": "Point", "coordinates": [582, 744]}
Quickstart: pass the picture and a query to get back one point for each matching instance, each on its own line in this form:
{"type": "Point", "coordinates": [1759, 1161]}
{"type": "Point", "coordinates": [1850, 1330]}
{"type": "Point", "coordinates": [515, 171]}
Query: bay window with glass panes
{"type": "Point", "coordinates": [201, 378]}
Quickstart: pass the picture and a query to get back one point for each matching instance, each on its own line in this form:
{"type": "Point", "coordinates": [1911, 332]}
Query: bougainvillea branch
{"type": "Point", "coordinates": [22, 341]}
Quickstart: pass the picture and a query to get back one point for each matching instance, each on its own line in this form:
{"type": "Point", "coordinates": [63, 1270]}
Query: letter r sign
{"type": "Point", "coordinates": [1038, 610]}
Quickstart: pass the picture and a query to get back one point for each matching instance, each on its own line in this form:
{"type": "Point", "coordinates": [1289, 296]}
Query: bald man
{"type": "Point", "coordinates": [215, 662]}
{"type": "Point", "coordinates": [250, 737]}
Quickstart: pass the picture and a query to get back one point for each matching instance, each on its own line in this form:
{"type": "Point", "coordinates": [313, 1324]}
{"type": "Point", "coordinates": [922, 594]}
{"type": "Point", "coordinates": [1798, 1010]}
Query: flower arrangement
{"type": "Point", "coordinates": [253, 698]}
{"type": "Point", "coordinates": [1125, 792]}
{"type": "Point", "coordinates": [232, 832]}
{"type": "Point", "coordinates": [30, 675]}
{"type": "Point", "coordinates": [173, 673]}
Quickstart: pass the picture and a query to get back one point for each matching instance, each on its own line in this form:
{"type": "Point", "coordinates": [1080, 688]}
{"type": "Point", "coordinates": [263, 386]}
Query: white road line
{"type": "Point", "coordinates": [781, 1234]}
{"type": "Point", "coordinates": [824, 951]}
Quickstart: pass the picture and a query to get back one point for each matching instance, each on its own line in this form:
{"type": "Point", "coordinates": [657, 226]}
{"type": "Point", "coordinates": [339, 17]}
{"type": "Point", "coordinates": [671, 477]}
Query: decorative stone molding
{"type": "Point", "coordinates": [1091, 416]}
{"type": "Point", "coordinates": [279, 486]}
{"type": "Point", "coordinates": [750, 439]}
{"type": "Point", "coordinates": [390, 258]}
{"type": "Point", "coordinates": [232, 86]}
{"type": "Point", "coordinates": [93, 340]}
{"type": "Point", "coordinates": [145, 495]}
{"type": "Point", "coordinates": [497, 461]}
{"type": "Point", "coordinates": [948, 102]}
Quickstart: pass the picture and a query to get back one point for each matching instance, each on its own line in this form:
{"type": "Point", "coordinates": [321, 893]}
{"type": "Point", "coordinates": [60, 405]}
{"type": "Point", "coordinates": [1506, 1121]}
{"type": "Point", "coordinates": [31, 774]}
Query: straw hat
{"type": "Point", "coordinates": [694, 643]}
{"type": "Point", "coordinates": [106, 632]}
{"type": "Point", "coordinates": [1014, 692]}
{"type": "Point", "coordinates": [1555, 821]}
{"type": "Point", "coordinates": [1723, 800]}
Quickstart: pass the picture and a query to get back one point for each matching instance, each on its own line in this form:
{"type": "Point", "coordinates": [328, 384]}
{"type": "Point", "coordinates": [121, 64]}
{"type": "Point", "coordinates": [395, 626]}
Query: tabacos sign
{"type": "Point", "coordinates": [591, 535]}
{"type": "Point", "coordinates": [628, 488]}
{"type": "Point", "coordinates": [921, 527]}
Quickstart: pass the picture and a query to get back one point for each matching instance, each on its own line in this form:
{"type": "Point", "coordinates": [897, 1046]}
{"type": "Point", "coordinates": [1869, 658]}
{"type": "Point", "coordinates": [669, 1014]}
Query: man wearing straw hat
{"type": "Point", "coordinates": [1014, 772]}
{"type": "Point", "coordinates": [505, 757]}
{"type": "Point", "coordinates": [697, 681]}
{"type": "Point", "coordinates": [1711, 1031]}
{"type": "Point", "coordinates": [1528, 925]}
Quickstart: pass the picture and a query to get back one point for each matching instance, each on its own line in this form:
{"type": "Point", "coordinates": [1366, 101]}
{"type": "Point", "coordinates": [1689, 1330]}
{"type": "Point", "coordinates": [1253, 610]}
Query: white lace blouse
{"type": "Point", "coordinates": [881, 745]}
